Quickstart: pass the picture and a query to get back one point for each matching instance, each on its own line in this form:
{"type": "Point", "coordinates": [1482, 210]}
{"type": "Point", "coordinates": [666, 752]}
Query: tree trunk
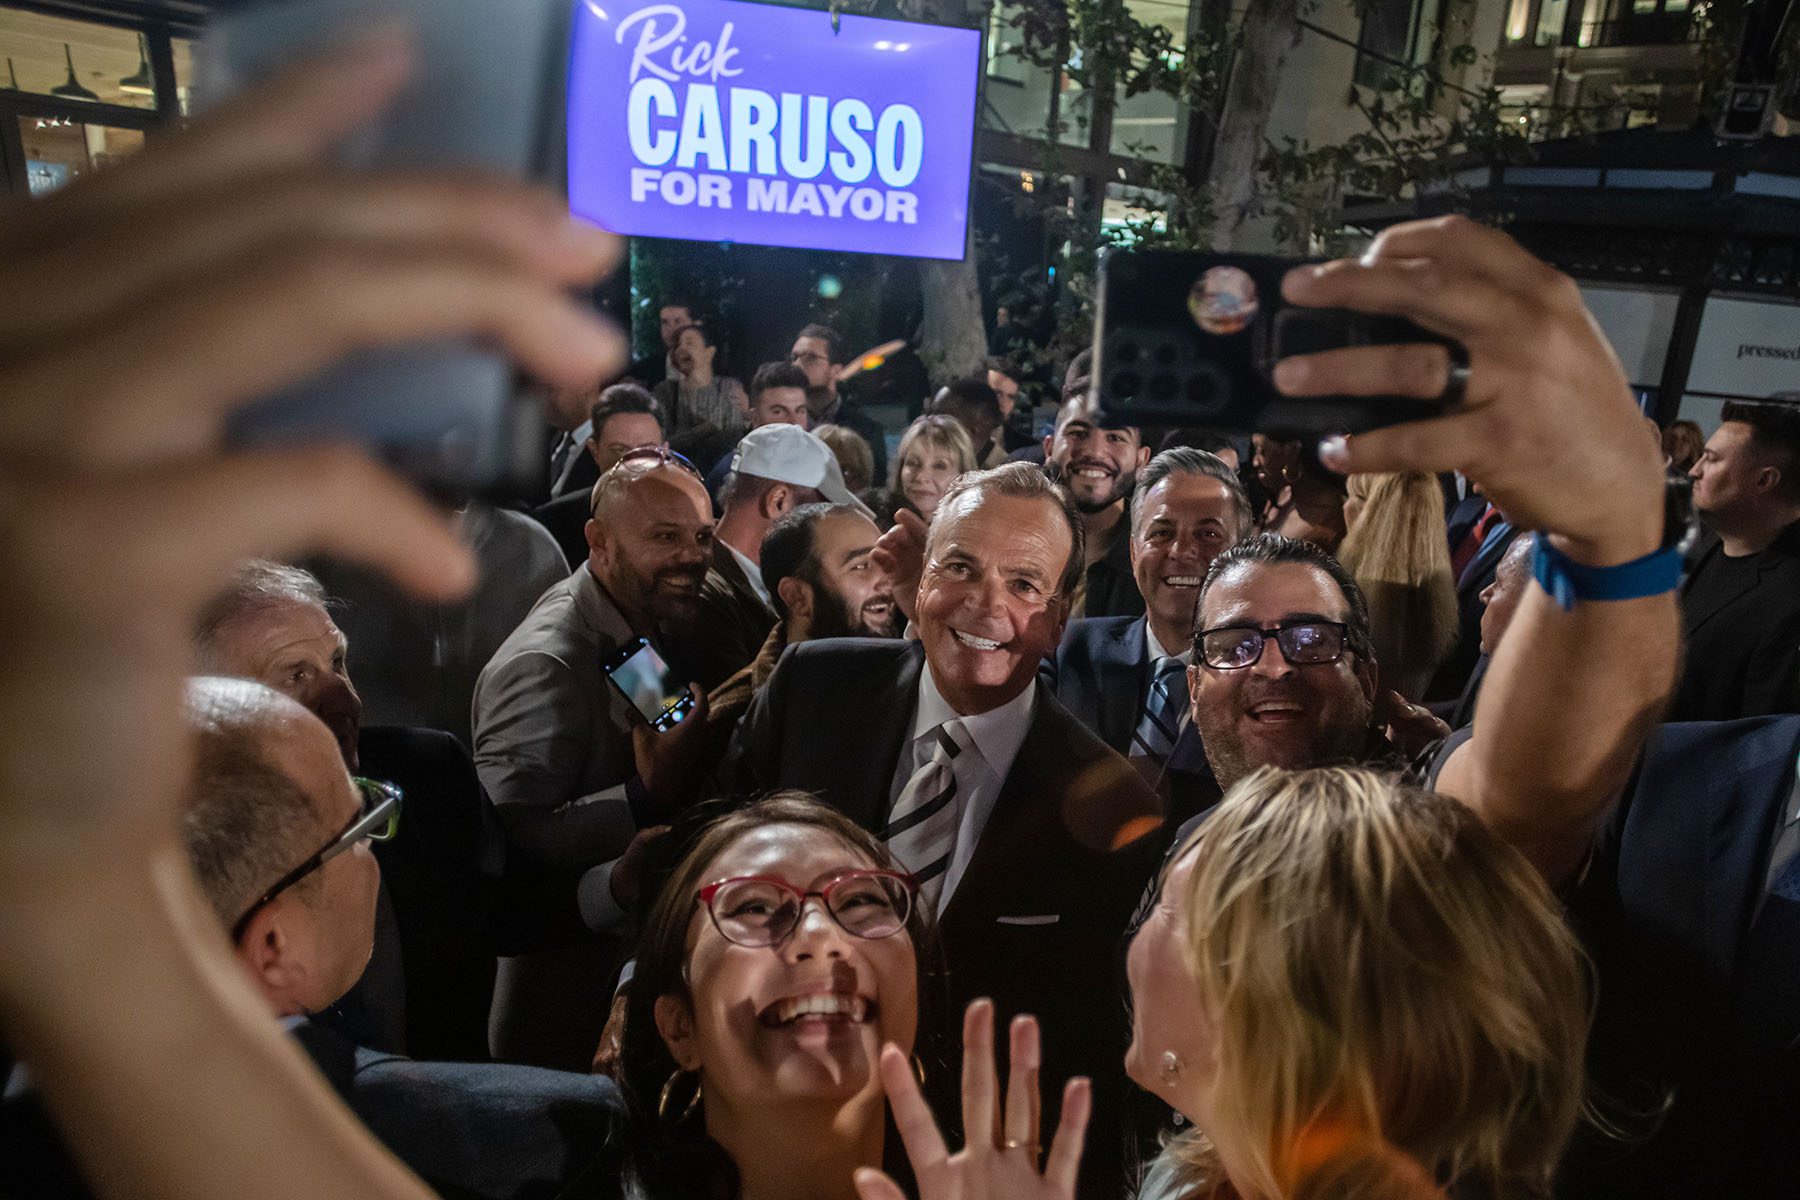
{"type": "Point", "coordinates": [952, 336]}
{"type": "Point", "coordinates": [1270, 31]}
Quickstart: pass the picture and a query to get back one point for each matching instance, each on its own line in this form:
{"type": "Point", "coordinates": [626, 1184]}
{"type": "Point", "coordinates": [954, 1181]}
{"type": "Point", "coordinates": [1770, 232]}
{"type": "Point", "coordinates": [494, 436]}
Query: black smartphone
{"type": "Point", "coordinates": [486, 91]}
{"type": "Point", "coordinates": [642, 677]}
{"type": "Point", "coordinates": [1191, 338]}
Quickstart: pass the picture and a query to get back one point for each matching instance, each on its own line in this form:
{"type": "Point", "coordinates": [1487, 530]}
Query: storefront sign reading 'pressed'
{"type": "Point", "coordinates": [718, 120]}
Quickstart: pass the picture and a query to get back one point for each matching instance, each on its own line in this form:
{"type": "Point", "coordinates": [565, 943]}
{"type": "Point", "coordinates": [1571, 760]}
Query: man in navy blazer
{"type": "Point", "coordinates": [1188, 506]}
{"type": "Point", "coordinates": [1044, 837]}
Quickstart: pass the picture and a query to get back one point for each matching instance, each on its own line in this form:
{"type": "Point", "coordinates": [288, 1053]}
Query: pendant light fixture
{"type": "Point", "coordinates": [71, 88]}
{"type": "Point", "coordinates": [140, 83]}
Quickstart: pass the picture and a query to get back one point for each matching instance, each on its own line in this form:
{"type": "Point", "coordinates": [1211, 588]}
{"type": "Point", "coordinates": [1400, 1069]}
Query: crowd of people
{"type": "Point", "coordinates": [1115, 812]}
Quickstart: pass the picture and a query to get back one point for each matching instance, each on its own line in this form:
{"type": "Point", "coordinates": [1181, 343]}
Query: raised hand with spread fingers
{"type": "Point", "coordinates": [1003, 1159]}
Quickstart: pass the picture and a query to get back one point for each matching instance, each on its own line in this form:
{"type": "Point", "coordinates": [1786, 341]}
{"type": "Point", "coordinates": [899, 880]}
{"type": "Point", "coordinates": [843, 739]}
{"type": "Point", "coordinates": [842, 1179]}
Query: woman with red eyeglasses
{"type": "Point", "coordinates": [781, 953]}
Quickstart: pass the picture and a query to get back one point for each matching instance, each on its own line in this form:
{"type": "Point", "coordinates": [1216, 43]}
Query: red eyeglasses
{"type": "Point", "coordinates": [759, 910]}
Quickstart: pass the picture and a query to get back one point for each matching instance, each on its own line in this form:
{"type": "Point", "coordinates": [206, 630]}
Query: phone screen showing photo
{"type": "Point", "coordinates": [651, 687]}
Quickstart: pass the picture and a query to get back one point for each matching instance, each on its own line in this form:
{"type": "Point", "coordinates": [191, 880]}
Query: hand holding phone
{"type": "Point", "coordinates": [1193, 338]}
{"type": "Point", "coordinates": [637, 672]}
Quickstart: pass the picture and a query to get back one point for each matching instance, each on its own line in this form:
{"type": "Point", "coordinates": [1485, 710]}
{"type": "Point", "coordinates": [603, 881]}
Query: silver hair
{"type": "Point", "coordinates": [1021, 481]}
{"type": "Point", "coordinates": [256, 584]}
{"type": "Point", "coordinates": [1185, 460]}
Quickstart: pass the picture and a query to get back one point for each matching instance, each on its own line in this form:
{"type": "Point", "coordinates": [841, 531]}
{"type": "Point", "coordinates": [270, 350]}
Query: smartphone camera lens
{"type": "Point", "coordinates": [1223, 300]}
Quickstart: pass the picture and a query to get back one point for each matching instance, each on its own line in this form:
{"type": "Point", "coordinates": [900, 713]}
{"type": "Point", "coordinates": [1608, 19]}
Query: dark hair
{"type": "Point", "coordinates": [674, 1157]}
{"type": "Point", "coordinates": [787, 549]}
{"type": "Point", "coordinates": [971, 396]}
{"type": "Point", "coordinates": [834, 341]}
{"type": "Point", "coordinates": [681, 302]}
{"type": "Point", "coordinates": [1185, 460]}
{"type": "Point", "coordinates": [1273, 548]}
{"type": "Point", "coordinates": [1006, 367]}
{"type": "Point", "coordinates": [623, 398]}
{"type": "Point", "coordinates": [774, 375]}
{"type": "Point", "coordinates": [1198, 438]}
{"type": "Point", "coordinates": [1024, 481]}
{"type": "Point", "coordinates": [701, 328]}
{"type": "Point", "coordinates": [1775, 434]}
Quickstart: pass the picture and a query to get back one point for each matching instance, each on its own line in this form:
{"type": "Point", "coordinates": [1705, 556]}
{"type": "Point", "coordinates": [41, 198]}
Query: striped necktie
{"type": "Point", "coordinates": [921, 830]}
{"type": "Point", "coordinates": [1163, 710]}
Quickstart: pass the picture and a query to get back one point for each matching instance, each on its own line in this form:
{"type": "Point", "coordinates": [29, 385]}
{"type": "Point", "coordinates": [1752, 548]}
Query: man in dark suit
{"type": "Point", "coordinates": [1689, 906]}
{"type": "Point", "coordinates": [1125, 677]}
{"type": "Point", "coordinates": [1030, 837]}
{"type": "Point", "coordinates": [624, 418]}
{"type": "Point", "coordinates": [454, 893]}
{"type": "Point", "coordinates": [1741, 601]}
{"type": "Point", "coordinates": [774, 470]}
{"type": "Point", "coordinates": [819, 351]}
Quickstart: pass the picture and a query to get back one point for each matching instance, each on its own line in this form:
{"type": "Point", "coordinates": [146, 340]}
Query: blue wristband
{"type": "Point", "coordinates": [1568, 581]}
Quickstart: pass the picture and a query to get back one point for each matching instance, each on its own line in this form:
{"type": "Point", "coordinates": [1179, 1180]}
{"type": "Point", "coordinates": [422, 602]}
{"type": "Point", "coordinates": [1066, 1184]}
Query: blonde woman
{"type": "Point", "coordinates": [934, 450]}
{"type": "Point", "coordinates": [1396, 552]}
{"type": "Point", "coordinates": [1350, 987]}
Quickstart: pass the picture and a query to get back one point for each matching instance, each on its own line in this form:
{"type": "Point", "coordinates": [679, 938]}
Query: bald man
{"type": "Point", "coordinates": [553, 740]}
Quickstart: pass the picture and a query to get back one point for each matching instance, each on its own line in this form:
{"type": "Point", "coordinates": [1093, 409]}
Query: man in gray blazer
{"type": "Point", "coordinates": [554, 741]}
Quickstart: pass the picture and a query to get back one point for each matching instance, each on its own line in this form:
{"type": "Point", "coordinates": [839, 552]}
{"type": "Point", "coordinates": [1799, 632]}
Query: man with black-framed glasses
{"type": "Point", "coordinates": [1283, 671]}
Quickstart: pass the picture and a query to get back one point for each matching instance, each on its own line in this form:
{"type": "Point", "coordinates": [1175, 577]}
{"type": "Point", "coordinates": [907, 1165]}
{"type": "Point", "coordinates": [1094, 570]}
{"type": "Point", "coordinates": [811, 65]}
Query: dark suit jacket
{"type": "Point", "coordinates": [734, 622]}
{"type": "Point", "coordinates": [1037, 920]}
{"type": "Point", "coordinates": [1453, 673]}
{"type": "Point", "coordinates": [1101, 674]}
{"type": "Point", "coordinates": [566, 518]}
{"type": "Point", "coordinates": [1672, 910]}
{"type": "Point", "coordinates": [473, 1131]}
{"type": "Point", "coordinates": [1743, 651]}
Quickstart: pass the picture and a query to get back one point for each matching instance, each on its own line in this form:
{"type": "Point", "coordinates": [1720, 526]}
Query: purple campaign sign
{"type": "Point", "coordinates": [718, 120]}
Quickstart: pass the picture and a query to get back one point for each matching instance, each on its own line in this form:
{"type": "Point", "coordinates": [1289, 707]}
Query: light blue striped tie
{"type": "Point", "coordinates": [1164, 708]}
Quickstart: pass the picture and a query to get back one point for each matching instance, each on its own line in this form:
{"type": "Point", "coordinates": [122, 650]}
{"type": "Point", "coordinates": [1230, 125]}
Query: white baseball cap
{"type": "Point", "coordinates": [789, 454]}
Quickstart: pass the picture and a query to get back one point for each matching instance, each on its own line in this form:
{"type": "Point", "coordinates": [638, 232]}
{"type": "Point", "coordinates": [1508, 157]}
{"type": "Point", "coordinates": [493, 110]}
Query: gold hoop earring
{"type": "Point", "coordinates": [918, 1066]}
{"type": "Point", "coordinates": [662, 1103]}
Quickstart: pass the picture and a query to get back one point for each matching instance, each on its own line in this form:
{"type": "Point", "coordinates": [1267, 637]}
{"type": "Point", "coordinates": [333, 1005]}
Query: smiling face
{"type": "Point", "coordinates": [926, 471]}
{"type": "Point", "coordinates": [691, 351]}
{"type": "Point", "coordinates": [1185, 521]}
{"type": "Point", "coordinates": [1166, 1013]}
{"type": "Point", "coordinates": [295, 648]}
{"type": "Point", "coordinates": [1275, 713]}
{"type": "Point", "coordinates": [651, 543]}
{"type": "Point", "coordinates": [803, 1021]}
{"type": "Point", "coordinates": [852, 596]}
{"type": "Point", "coordinates": [988, 609]}
{"type": "Point", "coordinates": [1097, 465]}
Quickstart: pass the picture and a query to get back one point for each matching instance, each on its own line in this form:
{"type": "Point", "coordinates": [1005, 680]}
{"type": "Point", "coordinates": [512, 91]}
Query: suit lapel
{"type": "Point", "coordinates": [727, 565]}
{"type": "Point", "coordinates": [1122, 677]}
{"type": "Point", "coordinates": [891, 727]}
{"type": "Point", "coordinates": [1483, 562]}
{"type": "Point", "coordinates": [985, 881]}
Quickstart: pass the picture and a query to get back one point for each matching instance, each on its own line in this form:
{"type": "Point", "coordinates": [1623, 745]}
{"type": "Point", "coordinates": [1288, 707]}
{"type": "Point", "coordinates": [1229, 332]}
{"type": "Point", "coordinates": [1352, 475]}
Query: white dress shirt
{"type": "Point", "coordinates": [752, 572]}
{"type": "Point", "coordinates": [578, 437]}
{"type": "Point", "coordinates": [995, 738]}
{"type": "Point", "coordinates": [1157, 650]}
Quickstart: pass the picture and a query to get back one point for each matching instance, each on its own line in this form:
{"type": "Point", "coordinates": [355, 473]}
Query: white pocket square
{"type": "Point", "coordinates": [1046, 919]}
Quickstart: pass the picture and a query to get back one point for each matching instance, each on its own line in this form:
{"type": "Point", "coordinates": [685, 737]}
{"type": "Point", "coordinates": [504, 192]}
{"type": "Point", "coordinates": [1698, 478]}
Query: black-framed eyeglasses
{"type": "Point", "coordinates": [760, 910]}
{"type": "Point", "coordinates": [1303, 644]}
{"type": "Point", "coordinates": [378, 821]}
